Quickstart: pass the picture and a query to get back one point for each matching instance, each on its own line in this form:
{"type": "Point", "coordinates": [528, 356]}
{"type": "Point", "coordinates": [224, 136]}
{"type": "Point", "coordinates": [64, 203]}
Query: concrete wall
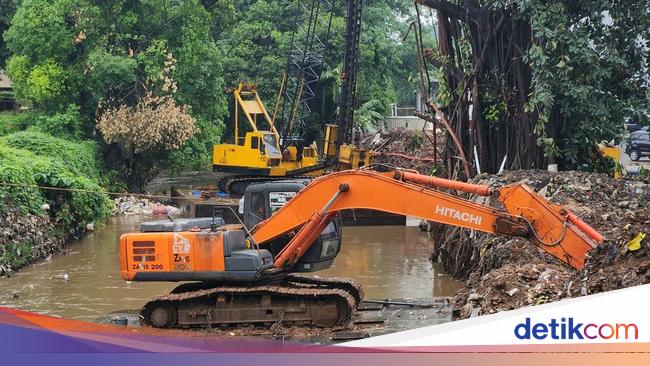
{"type": "Point", "coordinates": [409, 123]}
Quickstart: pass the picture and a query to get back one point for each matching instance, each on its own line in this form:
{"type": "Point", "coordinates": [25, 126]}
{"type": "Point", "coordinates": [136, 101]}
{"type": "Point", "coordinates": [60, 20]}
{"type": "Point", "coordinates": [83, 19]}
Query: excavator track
{"type": "Point", "coordinates": [236, 184]}
{"type": "Point", "coordinates": [348, 285]}
{"type": "Point", "coordinates": [297, 300]}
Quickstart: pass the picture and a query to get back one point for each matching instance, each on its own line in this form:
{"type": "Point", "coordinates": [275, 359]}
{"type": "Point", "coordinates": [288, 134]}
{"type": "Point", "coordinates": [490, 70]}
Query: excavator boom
{"type": "Point", "coordinates": [526, 214]}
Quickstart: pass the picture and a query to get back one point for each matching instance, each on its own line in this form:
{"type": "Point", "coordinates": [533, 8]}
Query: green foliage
{"type": "Point", "coordinates": [251, 60]}
{"type": "Point", "coordinates": [80, 158]}
{"type": "Point", "coordinates": [40, 83]}
{"type": "Point", "coordinates": [443, 98]}
{"type": "Point", "coordinates": [99, 55]}
{"type": "Point", "coordinates": [66, 124]}
{"type": "Point", "coordinates": [588, 73]}
{"type": "Point", "coordinates": [7, 10]}
{"type": "Point", "coordinates": [15, 169]}
{"type": "Point", "coordinates": [496, 110]}
{"type": "Point", "coordinates": [45, 81]}
{"type": "Point", "coordinates": [197, 153]}
{"type": "Point", "coordinates": [368, 115]}
{"type": "Point", "coordinates": [110, 72]}
{"type": "Point", "coordinates": [33, 158]}
{"type": "Point", "coordinates": [40, 30]}
{"type": "Point", "coordinates": [18, 71]}
{"type": "Point", "coordinates": [17, 255]}
{"type": "Point", "coordinates": [10, 122]}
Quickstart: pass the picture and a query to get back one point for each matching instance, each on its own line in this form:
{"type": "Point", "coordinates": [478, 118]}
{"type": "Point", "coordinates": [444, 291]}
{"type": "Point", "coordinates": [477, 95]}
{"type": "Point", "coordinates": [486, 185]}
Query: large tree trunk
{"type": "Point", "coordinates": [486, 78]}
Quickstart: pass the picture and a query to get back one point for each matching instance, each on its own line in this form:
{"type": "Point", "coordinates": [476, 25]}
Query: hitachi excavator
{"type": "Point", "coordinates": [249, 276]}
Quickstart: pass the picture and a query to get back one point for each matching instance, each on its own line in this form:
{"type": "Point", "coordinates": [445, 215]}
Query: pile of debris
{"type": "Point", "coordinates": [503, 273]}
{"type": "Point", "coordinates": [133, 205]}
{"type": "Point", "coordinates": [406, 149]}
{"type": "Point", "coordinates": [25, 238]}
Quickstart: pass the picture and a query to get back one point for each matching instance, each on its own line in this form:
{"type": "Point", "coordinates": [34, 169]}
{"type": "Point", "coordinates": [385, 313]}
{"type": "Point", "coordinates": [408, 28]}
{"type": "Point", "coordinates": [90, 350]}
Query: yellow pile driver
{"type": "Point", "coordinates": [259, 152]}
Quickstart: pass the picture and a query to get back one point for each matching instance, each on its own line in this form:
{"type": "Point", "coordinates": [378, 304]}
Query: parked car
{"type": "Point", "coordinates": [638, 145]}
{"type": "Point", "coordinates": [638, 132]}
{"type": "Point", "coordinates": [634, 127]}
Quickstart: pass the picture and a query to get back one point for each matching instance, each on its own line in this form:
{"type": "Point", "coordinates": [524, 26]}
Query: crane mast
{"type": "Point", "coordinates": [305, 59]}
{"type": "Point", "coordinates": [346, 104]}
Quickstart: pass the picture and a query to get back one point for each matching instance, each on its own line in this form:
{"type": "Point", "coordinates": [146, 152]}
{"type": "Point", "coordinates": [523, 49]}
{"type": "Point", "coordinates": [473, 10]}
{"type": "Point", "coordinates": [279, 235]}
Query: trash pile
{"type": "Point", "coordinates": [25, 238]}
{"type": "Point", "coordinates": [405, 149]}
{"type": "Point", "coordinates": [132, 205]}
{"type": "Point", "coordinates": [503, 273]}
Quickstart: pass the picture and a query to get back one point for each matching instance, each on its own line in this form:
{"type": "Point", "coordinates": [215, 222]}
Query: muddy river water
{"type": "Point", "coordinates": [84, 283]}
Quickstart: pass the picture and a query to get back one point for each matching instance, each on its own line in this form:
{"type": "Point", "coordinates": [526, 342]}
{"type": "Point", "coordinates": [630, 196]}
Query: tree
{"type": "Point", "coordinates": [110, 55]}
{"type": "Point", "coordinates": [538, 81]}
{"type": "Point", "coordinates": [153, 125]}
{"type": "Point", "coordinates": [7, 10]}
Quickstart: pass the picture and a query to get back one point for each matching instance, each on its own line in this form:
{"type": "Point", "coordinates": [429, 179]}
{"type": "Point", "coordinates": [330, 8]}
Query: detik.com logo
{"type": "Point", "coordinates": [568, 328]}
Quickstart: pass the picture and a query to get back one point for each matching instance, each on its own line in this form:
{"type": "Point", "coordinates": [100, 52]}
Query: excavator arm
{"type": "Point", "coordinates": [525, 214]}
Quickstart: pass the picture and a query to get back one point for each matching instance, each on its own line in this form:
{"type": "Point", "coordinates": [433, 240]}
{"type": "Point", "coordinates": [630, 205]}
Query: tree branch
{"type": "Point", "coordinates": [429, 55]}
{"type": "Point", "coordinates": [452, 10]}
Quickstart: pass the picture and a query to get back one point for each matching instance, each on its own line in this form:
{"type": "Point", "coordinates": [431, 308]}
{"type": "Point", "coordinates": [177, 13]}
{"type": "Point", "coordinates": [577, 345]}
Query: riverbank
{"type": "Point", "coordinates": [28, 238]}
{"type": "Point", "coordinates": [503, 273]}
{"type": "Point", "coordinates": [46, 190]}
{"type": "Point", "coordinates": [25, 239]}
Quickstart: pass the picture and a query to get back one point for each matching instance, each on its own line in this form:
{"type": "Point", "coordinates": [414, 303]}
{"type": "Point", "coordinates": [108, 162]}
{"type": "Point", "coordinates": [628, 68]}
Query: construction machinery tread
{"type": "Point", "coordinates": [349, 285]}
{"type": "Point", "coordinates": [293, 302]}
{"type": "Point", "coordinates": [236, 184]}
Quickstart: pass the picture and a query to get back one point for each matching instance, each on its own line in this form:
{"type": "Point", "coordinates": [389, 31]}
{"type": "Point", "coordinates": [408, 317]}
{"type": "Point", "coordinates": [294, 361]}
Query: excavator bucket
{"type": "Point", "coordinates": [554, 229]}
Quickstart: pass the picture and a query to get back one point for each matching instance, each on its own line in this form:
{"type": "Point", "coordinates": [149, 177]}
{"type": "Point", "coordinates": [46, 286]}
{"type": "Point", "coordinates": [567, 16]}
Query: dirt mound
{"type": "Point", "coordinates": [507, 273]}
{"type": "Point", "coordinates": [405, 149]}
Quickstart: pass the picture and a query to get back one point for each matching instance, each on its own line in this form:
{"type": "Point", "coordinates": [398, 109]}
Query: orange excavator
{"type": "Point", "coordinates": [249, 276]}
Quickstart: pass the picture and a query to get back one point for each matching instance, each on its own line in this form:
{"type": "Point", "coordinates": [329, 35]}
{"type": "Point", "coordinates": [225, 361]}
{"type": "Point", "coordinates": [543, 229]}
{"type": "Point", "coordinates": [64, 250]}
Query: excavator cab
{"type": "Point", "coordinates": [258, 150]}
{"type": "Point", "coordinates": [262, 200]}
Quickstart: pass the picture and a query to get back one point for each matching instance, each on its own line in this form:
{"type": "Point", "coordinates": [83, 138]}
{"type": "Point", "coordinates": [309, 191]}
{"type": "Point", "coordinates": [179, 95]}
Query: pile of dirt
{"type": "Point", "coordinates": [25, 238]}
{"type": "Point", "coordinates": [503, 273]}
{"type": "Point", "coordinates": [405, 149]}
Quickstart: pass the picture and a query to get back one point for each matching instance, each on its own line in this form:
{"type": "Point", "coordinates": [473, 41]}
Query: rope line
{"type": "Point", "coordinates": [81, 190]}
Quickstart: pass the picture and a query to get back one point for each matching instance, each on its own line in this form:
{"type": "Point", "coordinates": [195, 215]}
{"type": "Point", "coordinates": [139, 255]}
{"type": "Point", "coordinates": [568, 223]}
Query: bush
{"type": "Point", "coordinates": [196, 154]}
{"type": "Point", "coordinates": [34, 158]}
{"type": "Point", "coordinates": [14, 168]}
{"type": "Point", "coordinates": [65, 125]}
{"type": "Point", "coordinates": [10, 122]}
{"type": "Point", "coordinates": [79, 157]}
